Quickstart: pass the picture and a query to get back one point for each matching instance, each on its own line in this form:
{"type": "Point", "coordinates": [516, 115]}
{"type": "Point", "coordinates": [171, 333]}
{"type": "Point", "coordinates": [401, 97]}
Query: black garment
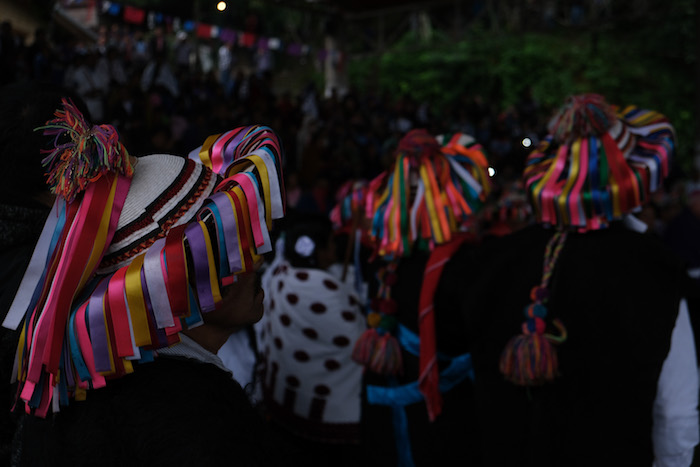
{"type": "Point", "coordinates": [617, 292]}
{"type": "Point", "coordinates": [452, 434]}
{"type": "Point", "coordinates": [683, 236]}
{"type": "Point", "coordinates": [21, 223]}
{"type": "Point", "coordinates": [170, 412]}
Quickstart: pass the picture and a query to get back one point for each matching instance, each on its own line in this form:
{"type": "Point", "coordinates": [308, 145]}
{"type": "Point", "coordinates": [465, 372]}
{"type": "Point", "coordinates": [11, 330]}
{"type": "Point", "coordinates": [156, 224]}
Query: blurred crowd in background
{"type": "Point", "coordinates": [165, 93]}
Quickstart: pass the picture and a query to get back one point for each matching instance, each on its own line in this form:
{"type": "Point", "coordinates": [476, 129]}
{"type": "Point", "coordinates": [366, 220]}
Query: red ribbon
{"type": "Point", "coordinates": [177, 271]}
{"type": "Point", "coordinates": [428, 378]}
{"type": "Point", "coordinates": [118, 314]}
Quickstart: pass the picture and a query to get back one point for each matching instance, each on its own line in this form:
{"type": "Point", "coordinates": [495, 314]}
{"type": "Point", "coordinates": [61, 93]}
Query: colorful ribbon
{"type": "Point", "coordinates": [79, 328]}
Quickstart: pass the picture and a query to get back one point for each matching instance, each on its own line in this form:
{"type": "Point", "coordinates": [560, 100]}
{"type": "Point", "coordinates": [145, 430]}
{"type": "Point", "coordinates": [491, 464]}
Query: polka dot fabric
{"type": "Point", "coordinates": [311, 320]}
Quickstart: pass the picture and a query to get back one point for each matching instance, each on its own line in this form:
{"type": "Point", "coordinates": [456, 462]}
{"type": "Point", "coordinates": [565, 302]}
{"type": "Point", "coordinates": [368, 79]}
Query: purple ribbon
{"type": "Point", "coordinates": [98, 328]}
{"type": "Point", "coordinates": [228, 221]}
{"type": "Point", "coordinates": [232, 145]}
{"type": "Point", "coordinates": [198, 247]}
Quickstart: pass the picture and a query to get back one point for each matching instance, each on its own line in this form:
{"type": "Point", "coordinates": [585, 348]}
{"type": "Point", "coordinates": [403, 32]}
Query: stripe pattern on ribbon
{"type": "Point", "coordinates": [79, 329]}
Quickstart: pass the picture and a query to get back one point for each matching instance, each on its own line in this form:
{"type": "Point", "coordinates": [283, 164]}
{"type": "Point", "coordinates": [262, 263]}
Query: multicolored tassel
{"type": "Point", "coordinates": [377, 348]}
{"type": "Point", "coordinates": [582, 116]}
{"type": "Point", "coordinates": [82, 152]}
{"type": "Point", "coordinates": [530, 358]}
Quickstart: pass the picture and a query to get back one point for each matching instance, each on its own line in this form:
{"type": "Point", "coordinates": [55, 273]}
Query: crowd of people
{"type": "Point", "coordinates": [165, 92]}
{"type": "Point", "coordinates": [413, 240]}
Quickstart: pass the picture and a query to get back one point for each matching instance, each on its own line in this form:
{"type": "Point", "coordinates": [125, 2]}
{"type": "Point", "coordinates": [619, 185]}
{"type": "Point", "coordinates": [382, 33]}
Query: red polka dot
{"type": "Point", "coordinates": [341, 341]}
{"type": "Point", "coordinates": [330, 284]}
{"type": "Point", "coordinates": [348, 316]}
{"type": "Point", "coordinates": [285, 320]}
{"type": "Point", "coordinates": [292, 298]}
{"type": "Point", "coordinates": [278, 343]}
{"type": "Point", "coordinates": [302, 276]}
{"type": "Point", "coordinates": [318, 308]}
{"type": "Point", "coordinates": [310, 333]}
{"type": "Point", "coordinates": [322, 390]}
{"type": "Point", "coordinates": [292, 381]}
{"type": "Point", "coordinates": [331, 365]}
{"type": "Point", "coordinates": [276, 271]}
{"type": "Point", "coordinates": [301, 356]}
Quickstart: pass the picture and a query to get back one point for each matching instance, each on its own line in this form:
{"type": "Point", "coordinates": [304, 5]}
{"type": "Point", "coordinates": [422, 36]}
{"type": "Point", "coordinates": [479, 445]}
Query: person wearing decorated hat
{"type": "Point", "coordinates": [311, 386]}
{"type": "Point", "coordinates": [580, 338]}
{"type": "Point", "coordinates": [420, 213]}
{"type": "Point", "coordinates": [25, 202]}
{"type": "Point", "coordinates": [144, 267]}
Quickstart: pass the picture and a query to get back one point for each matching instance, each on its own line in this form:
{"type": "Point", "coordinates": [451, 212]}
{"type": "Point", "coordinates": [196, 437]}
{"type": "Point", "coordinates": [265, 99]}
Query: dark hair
{"type": "Point", "coordinates": [317, 227]}
{"type": "Point", "coordinates": [25, 106]}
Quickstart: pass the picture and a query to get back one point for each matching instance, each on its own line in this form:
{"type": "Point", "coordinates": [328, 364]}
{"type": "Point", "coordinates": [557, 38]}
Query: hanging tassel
{"type": "Point", "coordinates": [377, 348]}
{"type": "Point", "coordinates": [530, 359]}
{"type": "Point", "coordinates": [386, 358]}
{"type": "Point", "coordinates": [365, 346]}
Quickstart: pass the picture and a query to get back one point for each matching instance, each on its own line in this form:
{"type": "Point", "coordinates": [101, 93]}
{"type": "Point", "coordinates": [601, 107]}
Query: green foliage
{"type": "Point", "coordinates": [623, 67]}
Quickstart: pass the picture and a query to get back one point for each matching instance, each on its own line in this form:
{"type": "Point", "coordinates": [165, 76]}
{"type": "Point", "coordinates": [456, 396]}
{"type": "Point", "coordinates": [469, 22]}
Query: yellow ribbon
{"type": "Point", "coordinates": [542, 183]}
{"type": "Point", "coordinates": [213, 276]}
{"type": "Point", "coordinates": [570, 181]}
{"type": "Point", "coordinates": [205, 152]}
{"type": "Point", "coordinates": [430, 204]}
{"type": "Point", "coordinates": [137, 304]}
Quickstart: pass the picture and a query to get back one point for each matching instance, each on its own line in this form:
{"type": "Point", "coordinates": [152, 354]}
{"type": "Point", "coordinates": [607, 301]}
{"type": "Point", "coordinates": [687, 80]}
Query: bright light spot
{"type": "Point", "coordinates": [527, 142]}
{"type": "Point", "coordinates": [492, 171]}
{"type": "Point", "coordinates": [221, 6]}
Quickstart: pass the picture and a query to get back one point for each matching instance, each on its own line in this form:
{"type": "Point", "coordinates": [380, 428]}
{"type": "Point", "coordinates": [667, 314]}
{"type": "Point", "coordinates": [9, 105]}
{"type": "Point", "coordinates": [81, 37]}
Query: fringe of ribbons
{"type": "Point", "coordinates": [81, 330]}
{"type": "Point", "coordinates": [587, 180]}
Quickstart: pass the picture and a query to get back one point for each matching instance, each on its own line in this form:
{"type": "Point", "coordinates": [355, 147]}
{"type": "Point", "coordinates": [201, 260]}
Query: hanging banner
{"type": "Point", "coordinates": [246, 40]}
{"type": "Point", "coordinates": [204, 30]}
{"type": "Point", "coordinates": [134, 15]}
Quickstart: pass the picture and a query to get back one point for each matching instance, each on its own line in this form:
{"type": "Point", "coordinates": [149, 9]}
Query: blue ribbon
{"type": "Point", "coordinates": [77, 356]}
{"type": "Point", "coordinates": [459, 369]}
{"type": "Point", "coordinates": [401, 438]}
{"type": "Point", "coordinates": [195, 316]}
{"type": "Point", "coordinates": [397, 397]}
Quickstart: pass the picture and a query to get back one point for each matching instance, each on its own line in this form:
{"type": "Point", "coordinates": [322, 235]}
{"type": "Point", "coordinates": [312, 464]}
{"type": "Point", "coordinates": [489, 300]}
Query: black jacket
{"type": "Point", "coordinates": [617, 292]}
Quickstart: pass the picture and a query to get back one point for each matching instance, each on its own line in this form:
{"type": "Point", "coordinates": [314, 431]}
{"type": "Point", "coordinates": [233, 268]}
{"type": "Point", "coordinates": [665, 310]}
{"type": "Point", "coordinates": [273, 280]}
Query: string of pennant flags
{"type": "Point", "coordinates": [139, 16]}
